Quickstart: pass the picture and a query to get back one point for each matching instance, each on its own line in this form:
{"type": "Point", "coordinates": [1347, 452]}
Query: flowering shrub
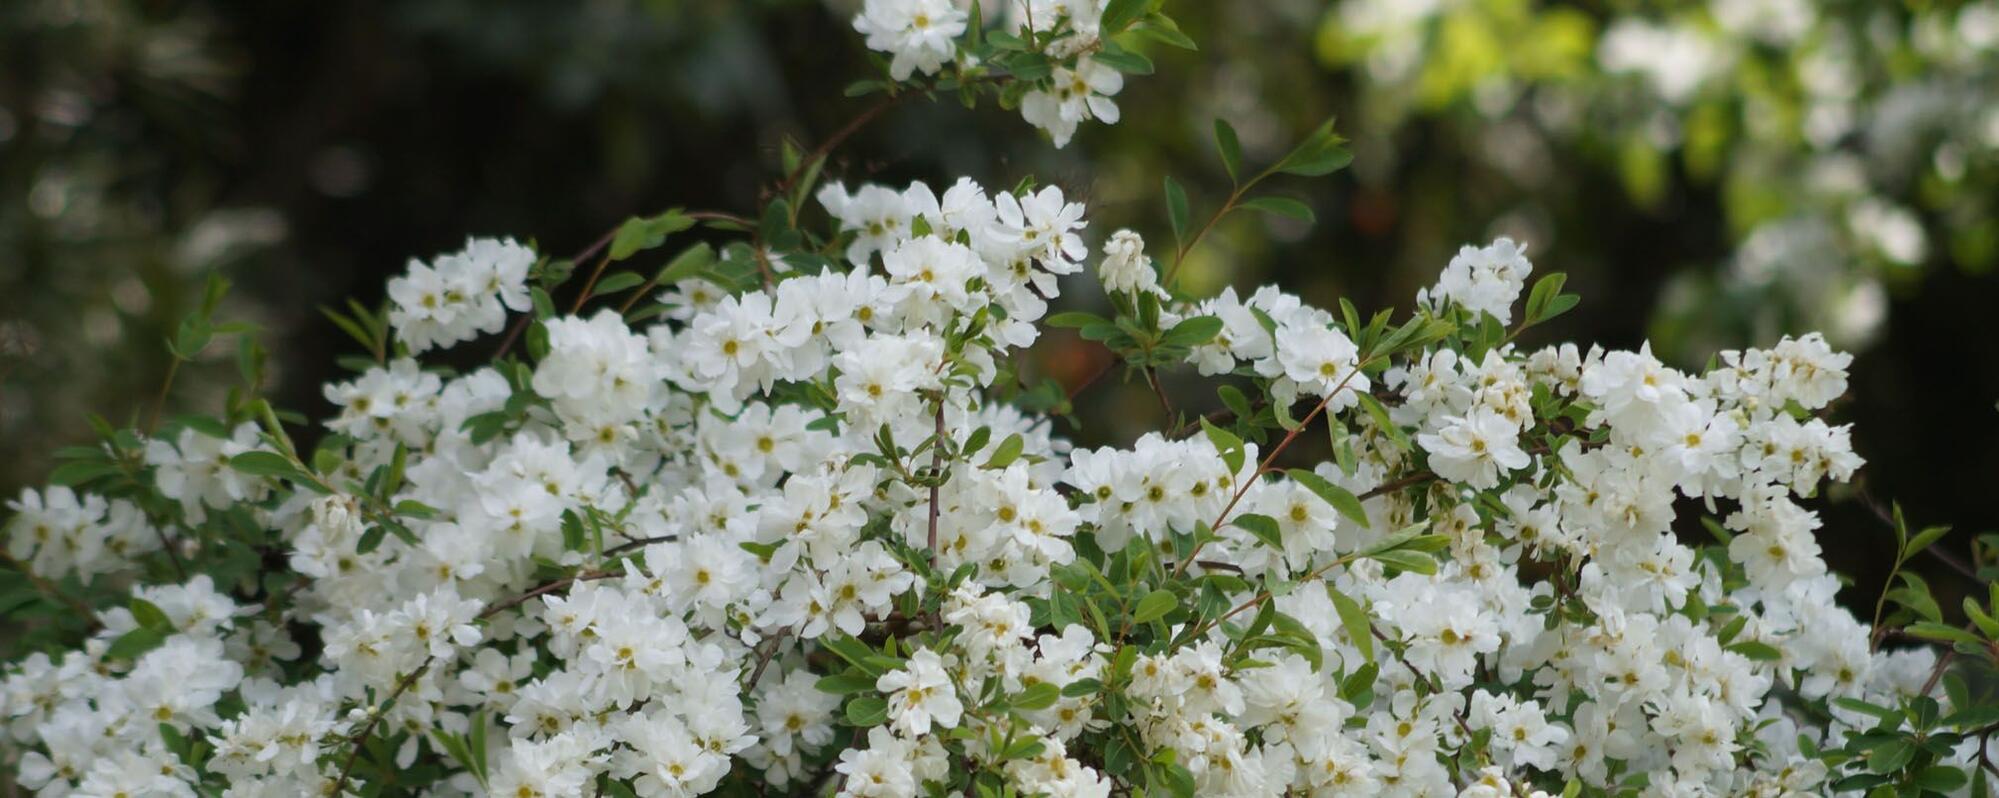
{"type": "Point", "coordinates": [785, 516]}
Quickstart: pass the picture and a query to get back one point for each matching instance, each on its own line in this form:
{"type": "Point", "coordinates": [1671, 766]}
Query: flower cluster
{"type": "Point", "coordinates": [1060, 61]}
{"type": "Point", "coordinates": [459, 296]}
{"type": "Point", "coordinates": [800, 523]}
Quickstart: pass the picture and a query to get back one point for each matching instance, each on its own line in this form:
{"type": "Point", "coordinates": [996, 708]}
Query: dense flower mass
{"type": "Point", "coordinates": [796, 524]}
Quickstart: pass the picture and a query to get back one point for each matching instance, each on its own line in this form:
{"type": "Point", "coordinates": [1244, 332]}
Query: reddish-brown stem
{"type": "Point", "coordinates": [520, 324]}
{"type": "Point", "coordinates": [590, 285]}
{"type": "Point", "coordinates": [826, 147]}
{"type": "Point", "coordinates": [1263, 467]}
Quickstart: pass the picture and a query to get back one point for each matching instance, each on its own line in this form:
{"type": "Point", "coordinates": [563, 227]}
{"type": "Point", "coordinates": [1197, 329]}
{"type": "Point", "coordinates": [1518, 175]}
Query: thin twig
{"type": "Point", "coordinates": [1385, 488]}
{"type": "Point", "coordinates": [653, 281]}
{"type": "Point", "coordinates": [825, 148]}
{"type": "Point", "coordinates": [160, 401]}
{"type": "Point", "coordinates": [590, 284]}
{"type": "Point", "coordinates": [1152, 378]}
{"type": "Point", "coordinates": [374, 718]}
{"type": "Point", "coordinates": [1404, 659]}
{"type": "Point", "coordinates": [521, 323]}
{"type": "Point", "coordinates": [1264, 466]}
{"type": "Point", "coordinates": [550, 587]}
{"type": "Point", "coordinates": [764, 658]}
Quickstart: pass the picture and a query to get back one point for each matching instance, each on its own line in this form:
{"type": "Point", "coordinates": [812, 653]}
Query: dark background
{"type": "Point", "coordinates": [325, 144]}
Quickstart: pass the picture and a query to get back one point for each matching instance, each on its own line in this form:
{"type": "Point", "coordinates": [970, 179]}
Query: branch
{"type": "Point", "coordinates": [1264, 466]}
{"type": "Point", "coordinates": [374, 719]}
{"type": "Point", "coordinates": [551, 587]}
{"type": "Point", "coordinates": [521, 323]}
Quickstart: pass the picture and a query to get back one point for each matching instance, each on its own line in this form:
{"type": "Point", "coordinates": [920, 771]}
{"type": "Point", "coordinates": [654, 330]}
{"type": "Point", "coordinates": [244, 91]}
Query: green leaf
{"type": "Point", "coordinates": [1263, 528]}
{"type": "Point", "coordinates": [1007, 452]}
{"type": "Point", "coordinates": [1941, 778]}
{"type": "Point", "coordinates": [1759, 651]}
{"type": "Point", "coordinates": [1986, 623]}
{"type": "Point", "coordinates": [1281, 206]}
{"type": "Point", "coordinates": [1176, 209]}
{"type": "Point", "coordinates": [1545, 290]}
{"type": "Point", "coordinates": [134, 644]}
{"type": "Point", "coordinates": [1381, 419]}
{"type": "Point", "coordinates": [855, 652]}
{"type": "Point", "coordinates": [1559, 305]}
{"type": "Point", "coordinates": [688, 263]}
{"type": "Point", "coordinates": [265, 464]}
{"type": "Point", "coordinates": [79, 472]}
{"type": "Point", "coordinates": [1075, 319]}
{"type": "Point", "coordinates": [1891, 757]}
{"type": "Point", "coordinates": [1192, 331]}
{"type": "Point", "coordinates": [867, 711]}
{"type": "Point", "coordinates": [1974, 716]}
{"type": "Point", "coordinates": [1041, 695]}
{"type": "Point", "coordinates": [1340, 498]}
{"type": "Point", "coordinates": [1354, 618]}
{"type": "Point", "coordinates": [1228, 146]}
{"type": "Point", "coordinates": [1126, 61]}
{"type": "Point", "coordinates": [1227, 443]}
{"type": "Point", "coordinates": [150, 616]}
{"type": "Point", "coordinates": [846, 683]}
{"type": "Point", "coordinates": [1161, 28]}
{"type": "Point", "coordinates": [1082, 687]}
{"type": "Point", "coordinates": [1407, 560]}
{"type": "Point", "coordinates": [1936, 631]}
{"type": "Point", "coordinates": [1923, 539]}
{"type": "Point", "coordinates": [617, 281]}
{"type": "Point", "coordinates": [1321, 153]}
{"type": "Point", "coordinates": [1865, 708]}
{"type": "Point", "coordinates": [1120, 14]}
{"type": "Point", "coordinates": [371, 539]}
{"type": "Point", "coordinates": [639, 234]}
{"type": "Point", "coordinates": [1154, 606]}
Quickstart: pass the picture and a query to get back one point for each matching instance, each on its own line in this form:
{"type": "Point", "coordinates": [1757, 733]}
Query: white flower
{"type": "Point", "coordinates": [461, 295]}
{"type": "Point", "coordinates": [918, 34]}
{"type": "Point", "coordinates": [1485, 279]}
{"type": "Point", "coordinates": [1475, 449]}
{"type": "Point", "coordinates": [1125, 268]}
{"type": "Point", "coordinates": [1322, 360]}
{"type": "Point", "coordinates": [1075, 96]}
{"type": "Point", "coordinates": [921, 693]}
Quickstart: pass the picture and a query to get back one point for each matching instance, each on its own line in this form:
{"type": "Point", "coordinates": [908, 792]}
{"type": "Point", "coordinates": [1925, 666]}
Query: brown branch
{"type": "Point", "coordinates": [826, 147]}
{"type": "Point", "coordinates": [653, 281]}
{"type": "Point", "coordinates": [1152, 378]}
{"type": "Point", "coordinates": [590, 284]}
{"type": "Point", "coordinates": [764, 657]}
{"type": "Point", "coordinates": [544, 589]}
{"type": "Point", "coordinates": [1404, 659]}
{"type": "Point", "coordinates": [521, 323]}
{"type": "Point", "coordinates": [1264, 466]}
{"type": "Point", "coordinates": [374, 719]}
{"type": "Point", "coordinates": [1385, 488]}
